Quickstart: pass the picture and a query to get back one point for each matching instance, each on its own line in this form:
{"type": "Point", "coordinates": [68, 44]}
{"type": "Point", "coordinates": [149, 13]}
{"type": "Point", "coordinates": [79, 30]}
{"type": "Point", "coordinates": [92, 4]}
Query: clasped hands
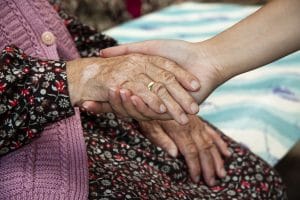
{"type": "Point", "coordinates": [150, 87]}
{"type": "Point", "coordinates": [97, 79]}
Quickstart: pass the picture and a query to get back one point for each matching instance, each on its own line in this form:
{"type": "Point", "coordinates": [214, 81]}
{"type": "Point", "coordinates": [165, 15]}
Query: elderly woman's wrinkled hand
{"type": "Point", "coordinates": [193, 57]}
{"type": "Point", "coordinates": [163, 90]}
{"type": "Point", "coordinates": [201, 146]}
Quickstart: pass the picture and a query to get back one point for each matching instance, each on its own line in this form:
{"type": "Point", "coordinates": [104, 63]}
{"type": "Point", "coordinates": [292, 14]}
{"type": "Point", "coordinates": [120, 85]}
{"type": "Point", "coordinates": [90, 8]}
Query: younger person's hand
{"type": "Point", "coordinates": [190, 56]}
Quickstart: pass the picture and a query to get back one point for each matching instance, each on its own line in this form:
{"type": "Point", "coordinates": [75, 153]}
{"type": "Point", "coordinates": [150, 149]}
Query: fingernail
{"type": "Point", "coordinates": [101, 53]}
{"type": "Point", "coordinates": [223, 172]}
{"type": "Point", "coordinates": [123, 95]}
{"type": "Point", "coordinates": [197, 179]}
{"type": "Point", "coordinates": [194, 108]}
{"type": "Point", "coordinates": [162, 108]}
{"type": "Point", "coordinates": [184, 119]}
{"type": "Point", "coordinates": [195, 84]}
{"type": "Point", "coordinates": [173, 152]}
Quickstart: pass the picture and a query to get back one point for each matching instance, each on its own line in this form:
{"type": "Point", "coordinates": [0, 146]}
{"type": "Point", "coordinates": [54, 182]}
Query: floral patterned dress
{"type": "Point", "coordinates": [123, 164]}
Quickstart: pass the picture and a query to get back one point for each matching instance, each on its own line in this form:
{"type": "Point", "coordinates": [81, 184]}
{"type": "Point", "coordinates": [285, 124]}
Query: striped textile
{"type": "Point", "coordinates": [260, 109]}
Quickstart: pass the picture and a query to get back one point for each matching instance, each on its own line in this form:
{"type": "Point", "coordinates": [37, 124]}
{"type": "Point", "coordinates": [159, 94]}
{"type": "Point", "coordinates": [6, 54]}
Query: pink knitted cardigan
{"type": "Point", "coordinates": [55, 165]}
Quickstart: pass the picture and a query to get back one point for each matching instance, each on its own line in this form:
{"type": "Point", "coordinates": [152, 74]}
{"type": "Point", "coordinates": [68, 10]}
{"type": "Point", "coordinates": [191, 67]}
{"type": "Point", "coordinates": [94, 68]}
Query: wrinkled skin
{"type": "Point", "coordinates": [94, 78]}
{"type": "Point", "coordinates": [200, 145]}
{"type": "Point", "coordinates": [188, 55]}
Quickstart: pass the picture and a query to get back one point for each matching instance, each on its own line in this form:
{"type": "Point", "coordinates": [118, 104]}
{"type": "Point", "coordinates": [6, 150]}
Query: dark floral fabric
{"type": "Point", "coordinates": [123, 164]}
{"type": "Point", "coordinates": [33, 93]}
{"type": "Point", "coordinates": [88, 41]}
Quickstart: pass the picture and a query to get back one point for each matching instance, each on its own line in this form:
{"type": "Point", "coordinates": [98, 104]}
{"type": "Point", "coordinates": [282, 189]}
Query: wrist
{"type": "Point", "coordinates": [73, 77]}
{"type": "Point", "coordinates": [208, 56]}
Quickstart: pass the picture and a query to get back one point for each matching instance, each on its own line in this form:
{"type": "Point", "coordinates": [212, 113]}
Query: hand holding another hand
{"type": "Point", "coordinates": [96, 79]}
{"type": "Point", "coordinates": [196, 58]}
{"type": "Point", "coordinates": [201, 146]}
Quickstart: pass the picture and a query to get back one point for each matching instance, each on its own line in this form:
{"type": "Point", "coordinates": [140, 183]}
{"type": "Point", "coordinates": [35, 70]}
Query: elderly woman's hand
{"type": "Point", "coordinates": [200, 145]}
{"type": "Point", "coordinates": [94, 79]}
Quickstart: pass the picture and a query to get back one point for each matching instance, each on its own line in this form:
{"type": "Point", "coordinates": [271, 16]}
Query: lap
{"type": "Point", "coordinates": [124, 164]}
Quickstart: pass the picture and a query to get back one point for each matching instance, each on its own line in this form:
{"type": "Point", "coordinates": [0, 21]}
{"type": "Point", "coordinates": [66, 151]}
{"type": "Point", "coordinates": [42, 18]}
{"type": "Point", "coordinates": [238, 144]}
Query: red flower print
{"type": "Point", "coordinates": [14, 102]}
{"type": "Point", "coordinates": [42, 62]}
{"type": "Point", "coordinates": [9, 49]}
{"type": "Point", "coordinates": [217, 188]}
{"type": "Point", "coordinates": [2, 87]}
{"type": "Point", "coordinates": [25, 92]}
{"type": "Point", "coordinates": [58, 70]}
{"type": "Point", "coordinates": [16, 144]}
{"type": "Point", "coordinates": [118, 157]}
{"type": "Point", "coordinates": [31, 100]}
{"type": "Point", "coordinates": [29, 133]}
{"type": "Point", "coordinates": [246, 184]}
{"type": "Point", "coordinates": [264, 186]}
{"type": "Point", "coordinates": [24, 56]}
{"type": "Point", "coordinates": [26, 70]}
{"type": "Point", "coordinates": [60, 86]}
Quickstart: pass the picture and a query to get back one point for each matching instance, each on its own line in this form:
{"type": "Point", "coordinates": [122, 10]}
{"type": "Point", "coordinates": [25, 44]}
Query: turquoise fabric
{"type": "Point", "coordinates": [260, 109]}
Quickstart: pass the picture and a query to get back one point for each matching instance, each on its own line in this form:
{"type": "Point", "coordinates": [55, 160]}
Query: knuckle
{"type": "Point", "coordinates": [133, 58]}
{"type": "Point", "coordinates": [201, 127]}
{"type": "Point", "coordinates": [191, 150]}
{"type": "Point", "coordinates": [208, 139]}
{"type": "Point", "coordinates": [160, 89]}
{"type": "Point", "coordinates": [168, 77]}
{"type": "Point", "coordinates": [175, 67]}
{"type": "Point", "coordinates": [177, 110]}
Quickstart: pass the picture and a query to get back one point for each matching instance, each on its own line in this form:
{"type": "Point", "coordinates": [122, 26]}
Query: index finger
{"type": "Point", "coordinates": [188, 149]}
{"type": "Point", "coordinates": [182, 97]}
{"type": "Point", "coordinates": [188, 80]}
{"type": "Point", "coordinates": [157, 48]}
{"type": "Point", "coordinates": [145, 47]}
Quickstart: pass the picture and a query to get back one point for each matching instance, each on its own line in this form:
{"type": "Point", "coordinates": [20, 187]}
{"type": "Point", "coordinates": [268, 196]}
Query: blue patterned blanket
{"type": "Point", "coordinates": [261, 108]}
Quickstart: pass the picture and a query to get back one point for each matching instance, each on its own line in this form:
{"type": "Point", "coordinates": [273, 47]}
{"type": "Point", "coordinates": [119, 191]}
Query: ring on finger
{"type": "Point", "coordinates": [150, 86]}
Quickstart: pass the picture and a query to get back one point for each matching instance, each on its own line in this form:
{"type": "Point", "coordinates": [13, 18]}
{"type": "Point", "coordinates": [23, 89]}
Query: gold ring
{"type": "Point", "coordinates": [150, 85]}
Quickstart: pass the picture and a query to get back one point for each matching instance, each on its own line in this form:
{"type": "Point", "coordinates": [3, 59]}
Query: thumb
{"type": "Point", "coordinates": [97, 107]}
{"type": "Point", "coordinates": [169, 49]}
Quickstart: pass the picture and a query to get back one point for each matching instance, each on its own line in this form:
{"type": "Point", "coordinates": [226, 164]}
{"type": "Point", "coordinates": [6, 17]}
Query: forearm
{"type": "Point", "coordinates": [269, 34]}
{"type": "Point", "coordinates": [33, 93]}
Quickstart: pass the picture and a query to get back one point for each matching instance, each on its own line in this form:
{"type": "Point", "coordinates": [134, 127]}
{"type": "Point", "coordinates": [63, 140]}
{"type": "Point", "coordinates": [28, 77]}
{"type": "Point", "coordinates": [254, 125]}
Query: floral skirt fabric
{"type": "Point", "coordinates": [123, 164]}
